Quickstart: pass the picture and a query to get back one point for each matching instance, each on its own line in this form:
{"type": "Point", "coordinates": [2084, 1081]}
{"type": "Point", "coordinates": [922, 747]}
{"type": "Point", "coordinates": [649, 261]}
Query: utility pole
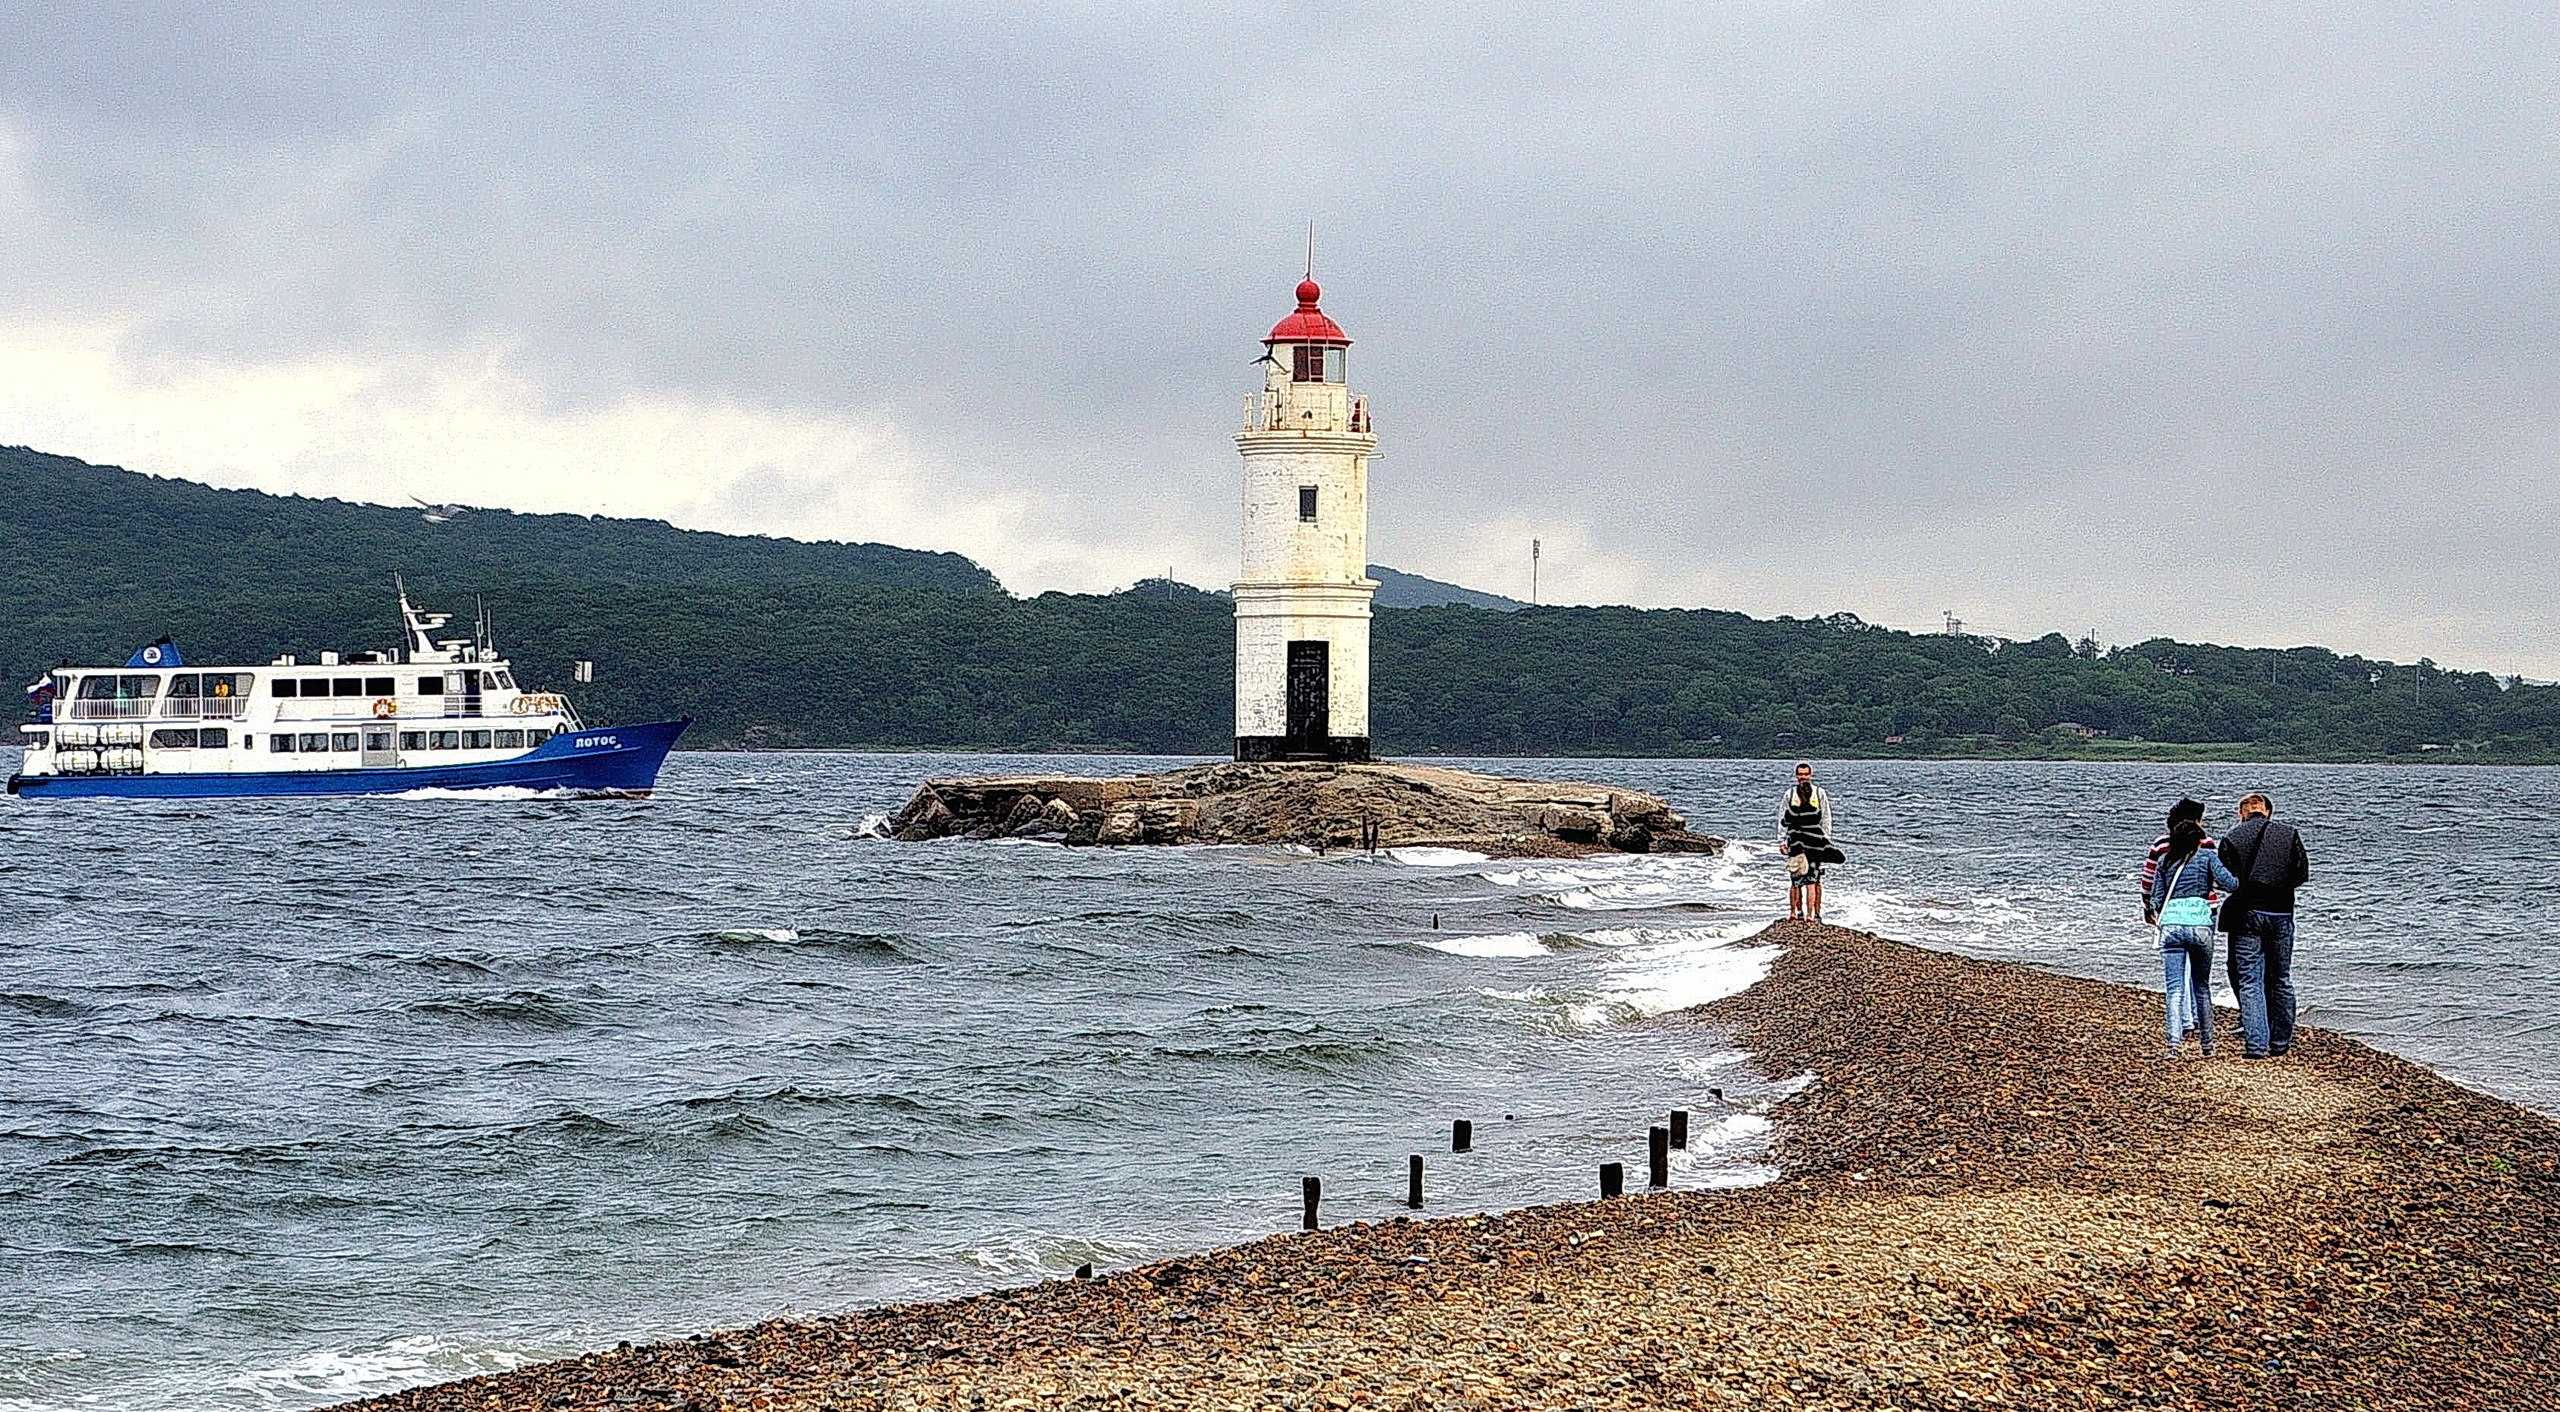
{"type": "Point", "coordinates": [1534, 549]}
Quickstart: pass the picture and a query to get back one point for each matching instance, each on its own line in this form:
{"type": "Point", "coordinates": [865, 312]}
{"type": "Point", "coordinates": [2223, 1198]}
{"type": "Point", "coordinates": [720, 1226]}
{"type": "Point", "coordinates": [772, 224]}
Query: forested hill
{"type": "Point", "coordinates": [777, 642]}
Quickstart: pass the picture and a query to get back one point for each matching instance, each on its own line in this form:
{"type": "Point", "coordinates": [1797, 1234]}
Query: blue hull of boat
{"type": "Point", "coordinates": [605, 760]}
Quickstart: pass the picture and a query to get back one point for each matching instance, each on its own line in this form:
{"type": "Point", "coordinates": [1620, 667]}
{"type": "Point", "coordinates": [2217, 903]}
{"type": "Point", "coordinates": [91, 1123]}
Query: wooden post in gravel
{"type": "Point", "coordinates": [1680, 1128]}
{"type": "Point", "coordinates": [1613, 1179]}
{"type": "Point", "coordinates": [1462, 1135]}
{"type": "Point", "coordinates": [1311, 1190]}
{"type": "Point", "coordinates": [1413, 1181]}
{"type": "Point", "coordinates": [1657, 1157]}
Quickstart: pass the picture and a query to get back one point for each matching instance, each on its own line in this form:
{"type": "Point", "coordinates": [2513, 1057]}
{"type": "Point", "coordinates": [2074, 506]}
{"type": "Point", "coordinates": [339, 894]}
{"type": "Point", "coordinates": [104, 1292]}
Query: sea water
{"type": "Point", "coordinates": [305, 1100]}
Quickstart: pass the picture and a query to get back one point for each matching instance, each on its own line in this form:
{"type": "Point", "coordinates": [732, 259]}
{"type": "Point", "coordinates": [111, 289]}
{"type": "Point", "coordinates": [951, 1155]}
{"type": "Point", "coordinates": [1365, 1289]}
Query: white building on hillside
{"type": "Point", "coordinates": [1302, 599]}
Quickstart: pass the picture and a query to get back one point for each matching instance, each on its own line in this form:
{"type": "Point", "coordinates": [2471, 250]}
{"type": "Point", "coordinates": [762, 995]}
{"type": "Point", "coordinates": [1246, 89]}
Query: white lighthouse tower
{"type": "Point", "coordinates": [1302, 599]}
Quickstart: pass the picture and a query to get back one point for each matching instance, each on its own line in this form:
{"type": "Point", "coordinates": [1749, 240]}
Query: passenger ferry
{"type": "Point", "coordinates": [439, 713]}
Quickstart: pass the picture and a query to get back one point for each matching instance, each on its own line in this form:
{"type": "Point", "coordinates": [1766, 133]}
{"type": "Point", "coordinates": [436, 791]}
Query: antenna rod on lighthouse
{"type": "Point", "coordinates": [1311, 248]}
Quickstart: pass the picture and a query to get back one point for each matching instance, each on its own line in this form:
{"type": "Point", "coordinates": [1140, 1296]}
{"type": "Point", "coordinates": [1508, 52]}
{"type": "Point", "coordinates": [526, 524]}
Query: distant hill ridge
{"type": "Point", "coordinates": [782, 642]}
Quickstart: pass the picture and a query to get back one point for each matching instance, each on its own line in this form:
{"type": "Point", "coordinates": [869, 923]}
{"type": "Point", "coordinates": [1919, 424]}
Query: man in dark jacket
{"type": "Point", "coordinates": [2269, 860]}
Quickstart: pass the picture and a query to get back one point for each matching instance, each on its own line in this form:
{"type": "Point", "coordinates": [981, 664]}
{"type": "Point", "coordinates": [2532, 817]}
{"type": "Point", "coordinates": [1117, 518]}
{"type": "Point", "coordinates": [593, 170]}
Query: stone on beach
{"type": "Point", "coordinates": [1319, 805]}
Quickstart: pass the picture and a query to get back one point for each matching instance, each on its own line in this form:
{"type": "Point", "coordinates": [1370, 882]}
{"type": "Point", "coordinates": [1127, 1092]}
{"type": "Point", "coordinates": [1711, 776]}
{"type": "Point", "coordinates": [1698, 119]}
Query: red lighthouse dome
{"type": "Point", "coordinates": [1309, 324]}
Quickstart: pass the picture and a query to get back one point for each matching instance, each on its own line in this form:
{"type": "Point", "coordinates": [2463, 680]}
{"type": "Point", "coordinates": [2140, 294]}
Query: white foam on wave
{"type": "Point", "coordinates": [873, 826]}
{"type": "Point", "coordinates": [782, 934]}
{"type": "Point", "coordinates": [1536, 877]}
{"type": "Point", "coordinates": [498, 793]}
{"type": "Point", "coordinates": [1638, 883]}
{"type": "Point", "coordinates": [1640, 972]}
{"type": "Point", "coordinates": [1684, 967]}
{"type": "Point", "coordinates": [1437, 857]}
{"type": "Point", "coordinates": [334, 1373]}
{"type": "Point", "coordinates": [1499, 944]}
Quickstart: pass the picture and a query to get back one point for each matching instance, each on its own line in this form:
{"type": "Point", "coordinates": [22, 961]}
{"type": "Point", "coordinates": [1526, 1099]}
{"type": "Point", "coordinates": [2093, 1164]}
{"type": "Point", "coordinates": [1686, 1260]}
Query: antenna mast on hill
{"type": "Point", "coordinates": [1955, 625]}
{"type": "Point", "coordinates": [1534, 549]}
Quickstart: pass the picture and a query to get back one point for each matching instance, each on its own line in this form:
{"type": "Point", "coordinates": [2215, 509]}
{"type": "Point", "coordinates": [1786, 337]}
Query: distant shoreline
{"type": "Point", "coordinates": [2150, 755]}
{"type": "Point", "coordinates": [1994, 1192]}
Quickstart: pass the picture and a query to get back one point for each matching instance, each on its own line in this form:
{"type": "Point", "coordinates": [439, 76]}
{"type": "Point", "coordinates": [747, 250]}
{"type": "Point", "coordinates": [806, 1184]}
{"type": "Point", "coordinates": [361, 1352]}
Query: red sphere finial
{"type": "Point", "coordinates": [1308, 292]}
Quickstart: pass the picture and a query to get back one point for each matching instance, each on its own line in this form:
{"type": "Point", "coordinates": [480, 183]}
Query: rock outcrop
{"type": "Point", "coordinates": [1317, 805]}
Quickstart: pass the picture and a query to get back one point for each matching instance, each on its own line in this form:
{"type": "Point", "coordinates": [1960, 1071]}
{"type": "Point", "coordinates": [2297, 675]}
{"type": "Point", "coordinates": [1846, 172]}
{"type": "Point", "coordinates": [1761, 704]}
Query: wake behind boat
{"type": "Point", "coordinates": [438, 713]}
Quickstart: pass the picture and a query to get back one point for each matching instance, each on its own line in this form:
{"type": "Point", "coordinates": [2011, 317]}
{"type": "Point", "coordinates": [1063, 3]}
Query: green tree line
{"type": "Point", "coordinates": [783, 643]}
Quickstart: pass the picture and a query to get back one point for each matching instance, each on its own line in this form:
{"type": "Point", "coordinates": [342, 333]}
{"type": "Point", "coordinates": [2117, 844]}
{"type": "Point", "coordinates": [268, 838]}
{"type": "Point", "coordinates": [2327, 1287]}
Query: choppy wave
{"type": "Point", "coordinates": [1500, 944]}
{"type": "Point", "coordinates": [333, 1374]}
{"type": "Point", "coordinates": [491, 793]}
{"type": "Point", "coordinates": [535, 1009]}
{"type": "Point", "coordinates": [1419, 857]}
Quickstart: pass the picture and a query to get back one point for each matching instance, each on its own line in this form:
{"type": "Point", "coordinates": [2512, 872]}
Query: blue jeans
{"type": "Point", "coordinates": [2262, 978]}
{"type": "Point", "coordinates": [2186, 955]}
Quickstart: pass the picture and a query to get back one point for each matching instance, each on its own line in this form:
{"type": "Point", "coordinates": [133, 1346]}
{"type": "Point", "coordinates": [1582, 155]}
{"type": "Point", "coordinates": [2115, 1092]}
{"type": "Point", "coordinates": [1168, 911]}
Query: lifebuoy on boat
{"type": "Point", "coordinates": [384, 708]}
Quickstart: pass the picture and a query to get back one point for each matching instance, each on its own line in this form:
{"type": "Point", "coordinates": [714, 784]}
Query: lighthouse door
{"type": "Point", "coordinates": [1310, 713]}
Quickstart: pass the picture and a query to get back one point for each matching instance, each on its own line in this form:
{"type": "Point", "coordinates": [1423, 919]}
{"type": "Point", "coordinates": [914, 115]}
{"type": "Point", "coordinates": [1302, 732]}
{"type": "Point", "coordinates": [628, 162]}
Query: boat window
{"type": "Point", "coordinates": [343, 740]}
{"type": "Point", "coordinates": [511, 740]}
{"type": "Point", "coordinates": [448, 740]}
{"type": "Point", "coordinates": [413, 740]}
{"type": "Point", "coordinates": [347, 686]}
{"type": "Point", "coordinates": [173, 739]}
{"type": "Point", "coordinates": [284, 688]}
{"type": "Point", "coordinates": [475, 740]}
{"type": "Point", "coordinates": [315, 742]}
{"type": "Point", "coordinates": [280, 744]}
{"type": "Point", "coordinates": [378, 686]}
{"type": "Point", "coordinates": [216, 738]}
{"type": "Point", "coordinates": [431, 686]}
{"type": "Point", "coordinates": [232, 684]}
{"type": "Point", "coordinates": [502, 681]}
{"type": "Point", "coordinates": [186, 684]}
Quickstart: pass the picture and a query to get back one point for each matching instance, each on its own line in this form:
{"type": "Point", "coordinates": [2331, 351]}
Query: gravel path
{"type": "Point", "coordinates": [1996, 1195]}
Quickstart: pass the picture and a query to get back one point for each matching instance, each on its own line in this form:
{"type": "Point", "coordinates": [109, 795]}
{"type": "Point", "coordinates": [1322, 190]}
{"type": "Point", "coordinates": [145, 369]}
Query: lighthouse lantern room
{"type": "Point", "coordinates": [1302, 600]}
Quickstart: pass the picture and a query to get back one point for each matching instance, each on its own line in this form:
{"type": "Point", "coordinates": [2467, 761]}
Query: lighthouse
{"type": "Point", "coordinates": [1303, 592]}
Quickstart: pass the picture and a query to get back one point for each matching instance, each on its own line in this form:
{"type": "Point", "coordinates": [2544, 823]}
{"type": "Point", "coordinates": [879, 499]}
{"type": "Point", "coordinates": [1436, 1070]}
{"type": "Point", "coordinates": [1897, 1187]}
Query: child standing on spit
{"type": "Point", "coordinates": [2190, 872]}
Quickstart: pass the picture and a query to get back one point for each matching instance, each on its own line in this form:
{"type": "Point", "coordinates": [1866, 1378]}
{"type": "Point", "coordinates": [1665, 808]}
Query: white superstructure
{"type": "Point", "coordinates": [1303, 595]}
{"type": "Point", "coordinates": [435, 702]}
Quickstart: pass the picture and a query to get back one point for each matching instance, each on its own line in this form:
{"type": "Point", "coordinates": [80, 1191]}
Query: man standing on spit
{"type": "Point", "coordinates": [2269, 860]}
{"type": "Point", "coordinates": [1804, 836]}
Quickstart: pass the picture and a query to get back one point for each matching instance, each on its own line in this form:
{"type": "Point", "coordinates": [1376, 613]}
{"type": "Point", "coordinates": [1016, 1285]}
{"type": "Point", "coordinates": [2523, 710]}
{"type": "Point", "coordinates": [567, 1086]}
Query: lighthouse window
{"type": "Point", "coordinates": [1307, 503]}
{"type": "Point", "coordinates": [1333, 365]}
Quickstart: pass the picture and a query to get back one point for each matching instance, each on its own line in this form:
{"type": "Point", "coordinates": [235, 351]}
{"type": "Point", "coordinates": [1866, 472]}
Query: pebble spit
{"type": "Point", "coordinates": [1996, 1194]}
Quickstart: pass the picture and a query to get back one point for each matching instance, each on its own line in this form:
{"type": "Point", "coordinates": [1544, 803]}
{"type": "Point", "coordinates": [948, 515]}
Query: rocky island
{"type": "Point", "coordinates": [1314, 804]}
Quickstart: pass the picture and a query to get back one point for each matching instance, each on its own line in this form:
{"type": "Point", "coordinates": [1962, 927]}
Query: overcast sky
{"type": "Point", "coordinates": [2147, 318]}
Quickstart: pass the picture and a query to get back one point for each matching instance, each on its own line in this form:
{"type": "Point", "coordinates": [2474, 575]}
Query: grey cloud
{"type": "Point", "coordinates": [2058, 316]}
